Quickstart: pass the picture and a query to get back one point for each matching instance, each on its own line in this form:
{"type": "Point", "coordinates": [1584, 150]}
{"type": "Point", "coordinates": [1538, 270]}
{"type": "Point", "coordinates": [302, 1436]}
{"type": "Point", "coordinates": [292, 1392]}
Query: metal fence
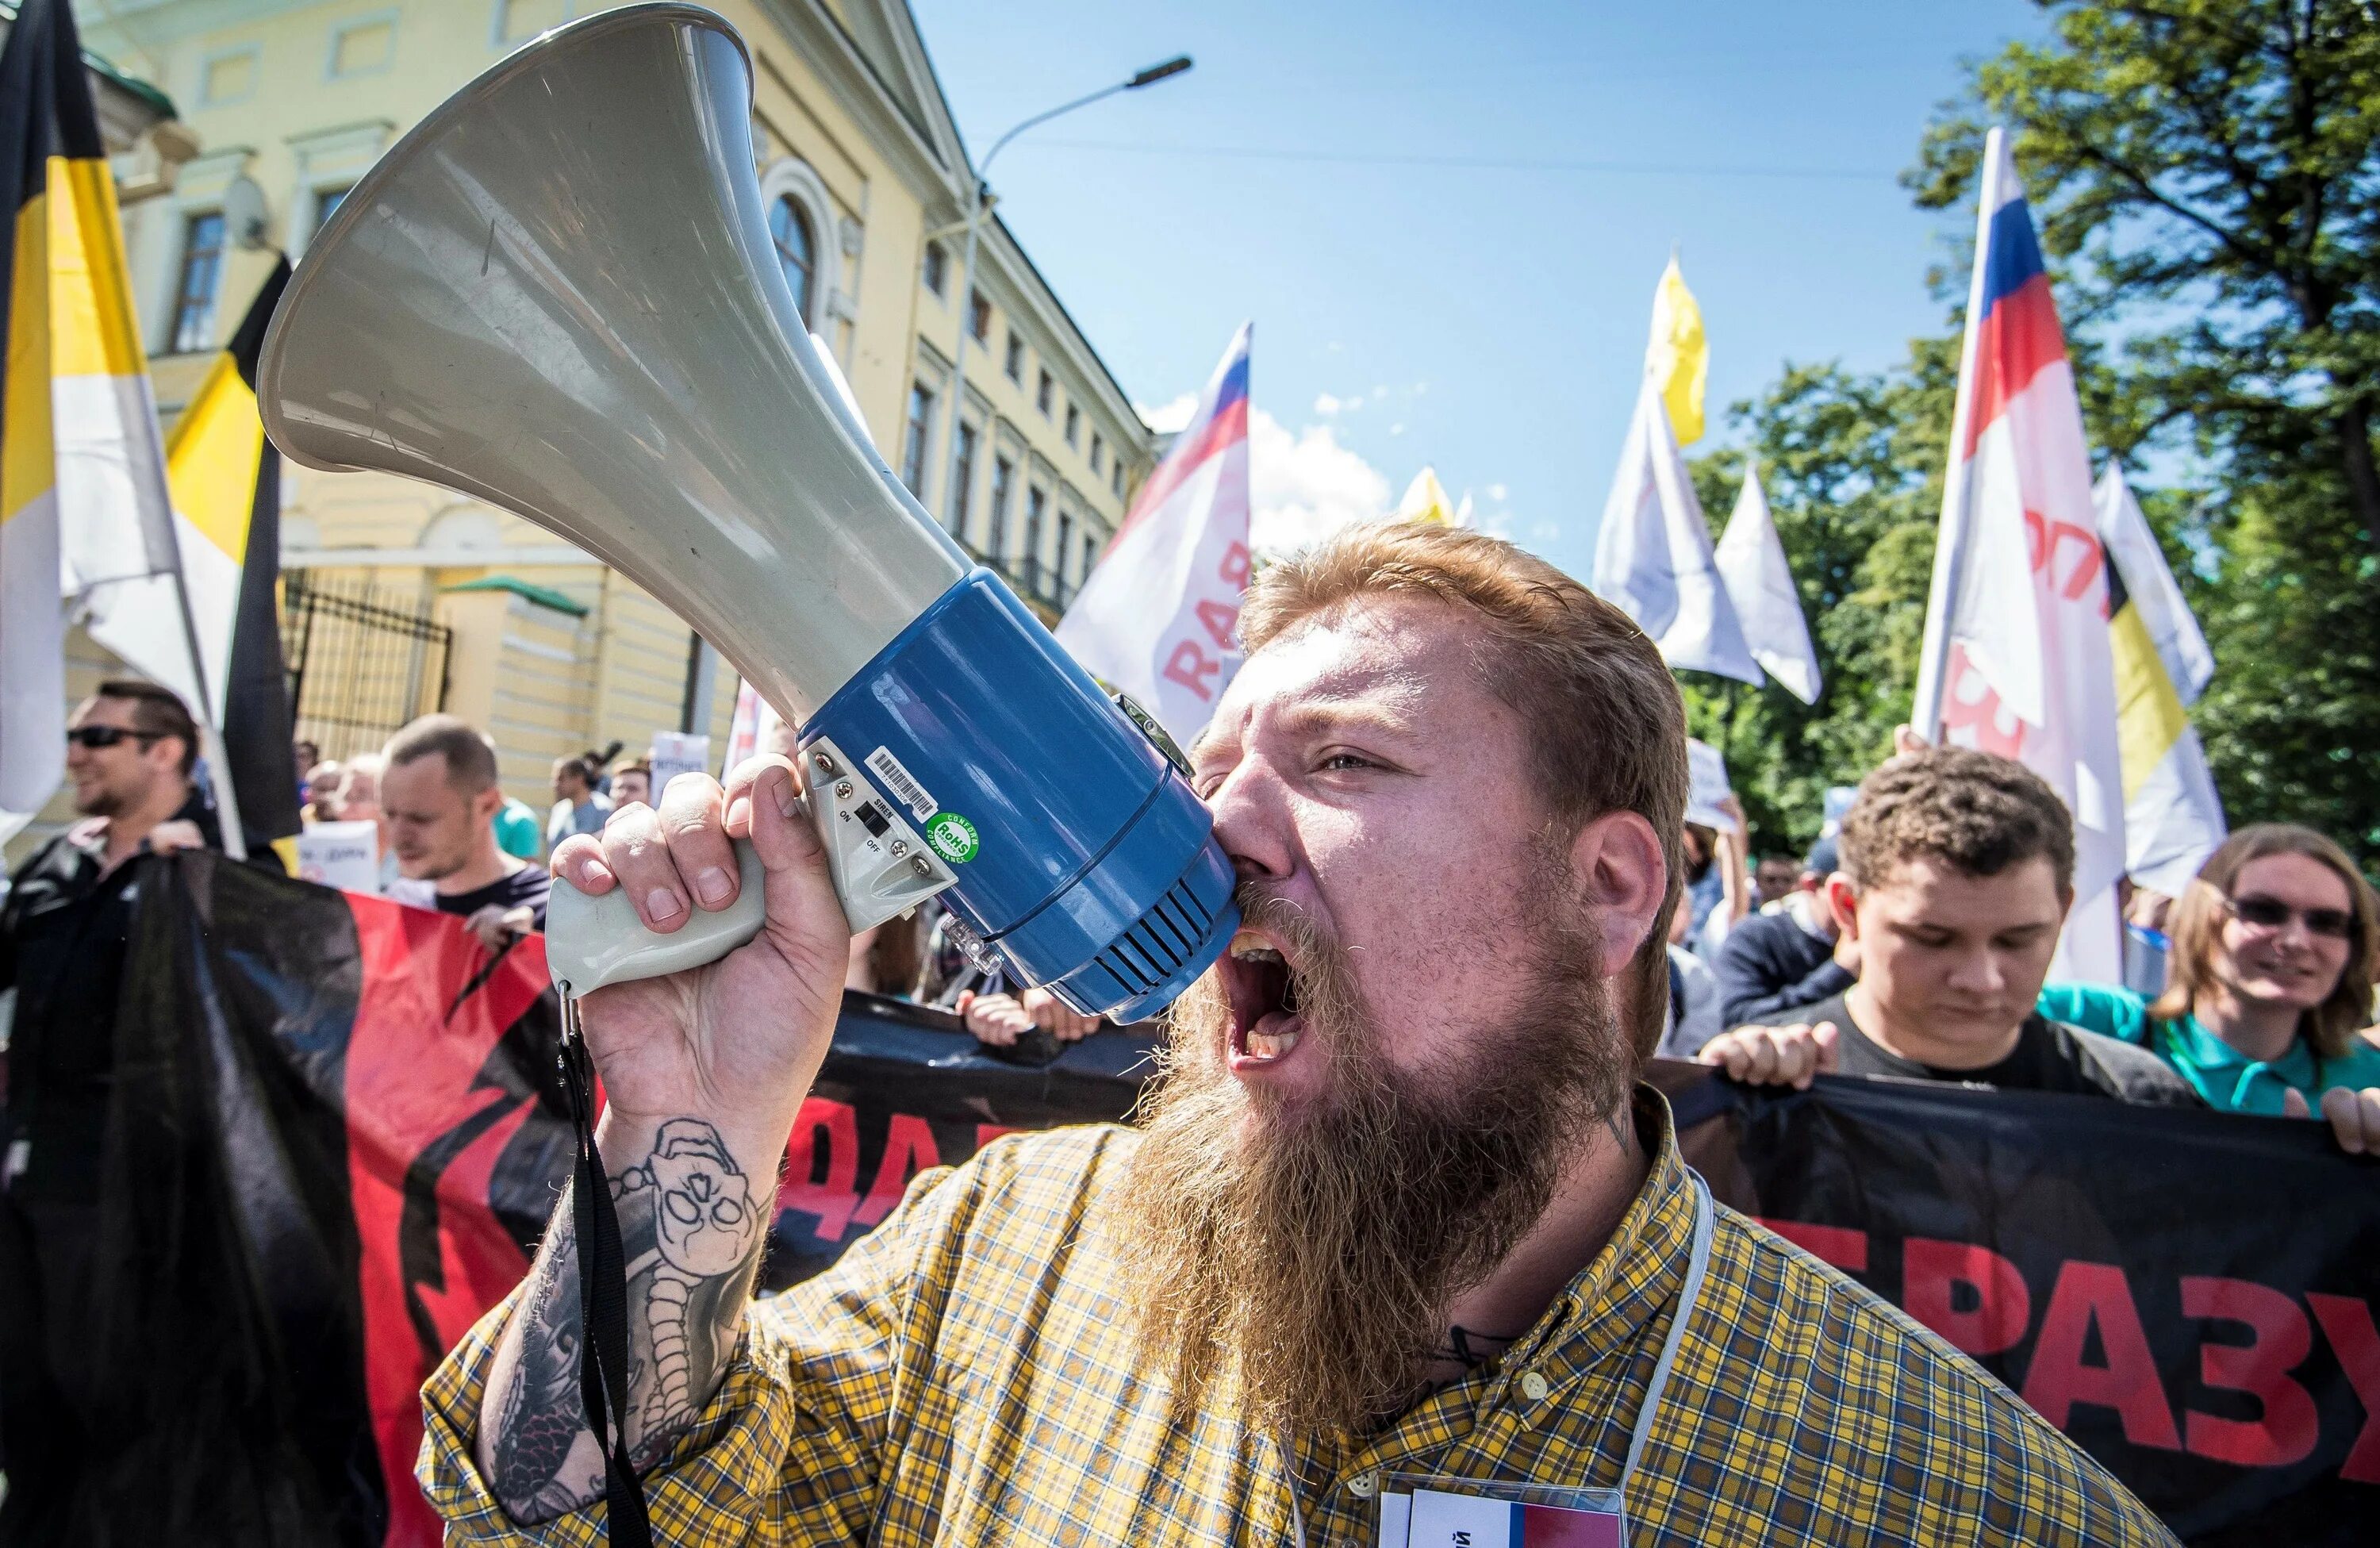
{"type": "Point", "coordinates": [362, 661]}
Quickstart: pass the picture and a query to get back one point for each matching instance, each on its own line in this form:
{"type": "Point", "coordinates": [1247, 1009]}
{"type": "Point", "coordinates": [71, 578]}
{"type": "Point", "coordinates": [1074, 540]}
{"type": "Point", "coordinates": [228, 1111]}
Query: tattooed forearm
{"type": "Point", "coordinates": [539, 1420]}
{"type": "Point", "coordinates": [691, 1234]}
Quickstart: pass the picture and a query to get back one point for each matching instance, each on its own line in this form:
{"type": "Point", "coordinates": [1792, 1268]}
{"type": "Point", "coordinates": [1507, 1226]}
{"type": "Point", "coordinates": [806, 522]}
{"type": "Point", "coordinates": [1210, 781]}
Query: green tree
{"type": "Point", "coordinates": [2206, 174]}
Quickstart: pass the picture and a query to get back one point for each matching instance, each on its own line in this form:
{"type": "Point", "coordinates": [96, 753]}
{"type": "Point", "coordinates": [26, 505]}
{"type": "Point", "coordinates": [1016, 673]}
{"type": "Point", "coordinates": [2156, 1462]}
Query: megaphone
{"type": "Point", "coordinates": [558, 294]}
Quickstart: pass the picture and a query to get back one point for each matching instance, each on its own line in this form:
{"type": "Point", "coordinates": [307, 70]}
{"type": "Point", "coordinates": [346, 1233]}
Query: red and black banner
{"type": "Point", "coordinates": [334, 1135]}
{"type": "Point", "coordinates": [2189, 1295]}
{"type": "Point", "coordinates": [331, 1147]}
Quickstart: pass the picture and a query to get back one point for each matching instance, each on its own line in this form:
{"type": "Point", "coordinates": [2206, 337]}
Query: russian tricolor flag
{"type": "Point", "coordinates": [1159, 617]}
{"type": "Point", "coordinates": [2017, 659]}
{"type": "Point", "coordinates": [1437, 1519]}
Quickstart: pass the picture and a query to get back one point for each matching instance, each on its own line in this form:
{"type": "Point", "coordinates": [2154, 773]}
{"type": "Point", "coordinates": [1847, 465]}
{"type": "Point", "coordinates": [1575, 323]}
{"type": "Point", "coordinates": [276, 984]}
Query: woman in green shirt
{"type": "Point", "coordinates": [2269, 985]}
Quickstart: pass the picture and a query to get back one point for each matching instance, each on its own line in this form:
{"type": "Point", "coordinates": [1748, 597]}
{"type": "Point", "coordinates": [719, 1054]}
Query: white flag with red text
{"type": "Point", "coordinates": [2017, 658]}
{"type": "Point", "coordinates": [1158, 617]}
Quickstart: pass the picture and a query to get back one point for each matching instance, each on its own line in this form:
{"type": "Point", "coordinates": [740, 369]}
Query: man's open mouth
{"type": "Point", "coordinates": [1266, 1020]}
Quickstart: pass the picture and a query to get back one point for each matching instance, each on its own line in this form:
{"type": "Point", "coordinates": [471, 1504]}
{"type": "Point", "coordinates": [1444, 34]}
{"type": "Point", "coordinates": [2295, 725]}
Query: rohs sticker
{"type": "Point", "coordinates": [954, 837]}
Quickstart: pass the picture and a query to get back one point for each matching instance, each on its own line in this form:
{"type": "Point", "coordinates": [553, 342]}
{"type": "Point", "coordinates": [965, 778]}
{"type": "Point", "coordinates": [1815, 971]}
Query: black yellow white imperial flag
{"type": "Point", "coordinates": [86, 518]}
{"type": "Point", "coordinates": [225, 480]}
{"type": "Point", "coordinates": [78, 430]}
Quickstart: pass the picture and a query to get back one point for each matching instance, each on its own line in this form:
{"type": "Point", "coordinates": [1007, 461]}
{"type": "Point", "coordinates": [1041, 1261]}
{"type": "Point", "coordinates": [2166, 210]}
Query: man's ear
{"type": "Point", "coordinates": [1842, 902]}
{"type": "Point", "coordinates": [486, 803]}
{"type": "Point", "coordinates": [1621, 873]}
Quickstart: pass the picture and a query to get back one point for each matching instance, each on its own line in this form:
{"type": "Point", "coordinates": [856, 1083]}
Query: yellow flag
{"type": "Point", "coordinates": [1679, 359]}
{"type": "Point", "coordinates": [1425, 501]}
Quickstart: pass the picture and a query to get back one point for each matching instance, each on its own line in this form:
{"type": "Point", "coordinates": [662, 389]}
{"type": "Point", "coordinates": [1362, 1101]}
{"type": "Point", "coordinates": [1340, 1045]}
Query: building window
{"type": "Point", "coordinates": [978, 316]}
{"type": "Point", "coordinates": [962, 480]}
{"type": "Point", "coordinates": [1074, 425]}
{"type": "Point", "coordinates": [1090, 553]}
{"type": "Point", "coordinates": [796, 245]}
{"type": "Point", "coordinates": [229, 77]}
{"type": "Point", "coordinates": [915, 437]}
{"type": "Point", "coordinates": [1065, 541]}
{"type": "Point", "coordinates": [1116, 478]}
{"type": "Point", "coordinates": [1015, 364]}
{"type": "Point", "coordinates": [1098, 454]}
{"type": "Point", "coordinates": [194, 296]}
{"type": "Point", "coordinates": [1037, 502]}
{"type": "Point", "coordinates": [364, 46]}
{"type": "Point", "coordinates": [1043, 392]}
{"type": "Point", "coordinates": [326, 205]}
{"type": "Point", "coordinates": [1003, 479]}
{"type": "Point", "coordinates": [937, 267]}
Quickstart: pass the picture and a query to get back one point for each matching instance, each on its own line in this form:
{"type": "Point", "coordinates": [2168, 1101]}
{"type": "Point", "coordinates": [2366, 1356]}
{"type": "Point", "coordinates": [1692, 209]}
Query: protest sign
{"type": "Point", "coordinates": [341, 855]}
{"type": "Point", "coordinates": [675, 753]}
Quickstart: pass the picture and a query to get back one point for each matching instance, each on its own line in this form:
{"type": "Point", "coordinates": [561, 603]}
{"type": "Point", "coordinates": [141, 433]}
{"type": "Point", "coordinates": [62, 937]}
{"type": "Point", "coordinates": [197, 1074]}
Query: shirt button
{"type": "Point", "coordinates": [1363, 1484]}
{"type": "Point", "coordinates": [1533, 1386]}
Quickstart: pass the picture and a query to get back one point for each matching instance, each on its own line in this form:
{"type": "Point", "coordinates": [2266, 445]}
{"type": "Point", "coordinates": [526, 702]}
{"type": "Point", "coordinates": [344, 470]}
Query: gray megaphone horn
{"type": "Point", "coordinates": [557, 294]}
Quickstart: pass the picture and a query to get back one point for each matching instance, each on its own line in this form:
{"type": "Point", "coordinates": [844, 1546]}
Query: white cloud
{"type": "Point", "coordinates": [1397, 429]}
{"type": "Point", "coordinates": [1326, 406]}
{"type": "Point", "coordinates": [1378, 393]}
{"type": "Point", "coordinates": [1167, 418]}
{"type": "Point", "coordinates": [1419, 388]}
{"type": "Point", "coordinates": [1497, 492]}
{"type": "Point", "coordinates": [1305, 485]}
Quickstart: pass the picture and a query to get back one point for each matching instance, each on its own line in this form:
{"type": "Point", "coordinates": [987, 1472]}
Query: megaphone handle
{"type": "Point", "coordinates": [591, 942]}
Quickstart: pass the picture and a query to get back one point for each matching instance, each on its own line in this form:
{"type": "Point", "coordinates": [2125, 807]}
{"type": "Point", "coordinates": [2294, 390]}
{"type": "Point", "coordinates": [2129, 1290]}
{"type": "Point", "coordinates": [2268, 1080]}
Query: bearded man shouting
{"type": "Point", "coordinates": [1399, 1209]}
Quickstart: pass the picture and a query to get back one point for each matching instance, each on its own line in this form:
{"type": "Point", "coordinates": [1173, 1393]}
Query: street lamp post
{"type": "Point", "coordinates": [953, 498]}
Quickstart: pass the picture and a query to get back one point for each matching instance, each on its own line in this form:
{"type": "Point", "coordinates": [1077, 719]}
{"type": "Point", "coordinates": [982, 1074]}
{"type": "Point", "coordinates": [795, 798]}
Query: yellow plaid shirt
{"type": "Point", "coordinates": [965, 1375]}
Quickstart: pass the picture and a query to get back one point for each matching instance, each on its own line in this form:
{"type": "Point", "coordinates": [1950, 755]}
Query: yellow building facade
{"type": "Point", "coordinates": [404, 597]}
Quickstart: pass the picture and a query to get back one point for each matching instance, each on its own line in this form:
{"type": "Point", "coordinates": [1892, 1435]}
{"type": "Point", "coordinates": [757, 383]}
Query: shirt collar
{"type": "Point", "coordinates": [1638, 1271]}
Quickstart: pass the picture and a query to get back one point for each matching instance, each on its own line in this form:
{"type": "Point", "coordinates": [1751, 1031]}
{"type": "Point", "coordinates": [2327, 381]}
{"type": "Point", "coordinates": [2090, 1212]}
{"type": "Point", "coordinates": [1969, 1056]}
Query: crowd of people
{"type": "Point", "coordinates": [1917, 944]}
{"type": "Point", "coordinates": [1914, 942]}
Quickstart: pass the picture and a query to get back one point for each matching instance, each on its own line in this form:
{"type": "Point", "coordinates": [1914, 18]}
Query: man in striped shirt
{"type": "Point", "coordinates": [1402, 1208]}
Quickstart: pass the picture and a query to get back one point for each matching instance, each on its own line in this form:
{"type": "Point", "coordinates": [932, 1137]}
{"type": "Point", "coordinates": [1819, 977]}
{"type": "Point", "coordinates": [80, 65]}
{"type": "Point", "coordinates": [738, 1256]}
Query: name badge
{"type": "Point", "coordinates": [1444, 1514]}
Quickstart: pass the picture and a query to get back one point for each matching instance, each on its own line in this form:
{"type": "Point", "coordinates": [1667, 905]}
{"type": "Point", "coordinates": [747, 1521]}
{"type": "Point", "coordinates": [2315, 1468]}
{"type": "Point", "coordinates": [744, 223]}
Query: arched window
{"type": "Point", "coordinates": [789, 230]}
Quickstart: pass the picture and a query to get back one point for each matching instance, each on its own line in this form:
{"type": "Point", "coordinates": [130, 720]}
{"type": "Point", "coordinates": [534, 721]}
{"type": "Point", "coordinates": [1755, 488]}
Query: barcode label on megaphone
{"type": "Point", "coordinates": [902, 784]}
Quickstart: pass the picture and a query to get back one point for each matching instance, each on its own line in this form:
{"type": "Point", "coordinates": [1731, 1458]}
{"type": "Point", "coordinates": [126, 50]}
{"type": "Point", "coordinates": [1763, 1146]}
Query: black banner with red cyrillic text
{"type": "Point", "coordinates": [2189, 1295]}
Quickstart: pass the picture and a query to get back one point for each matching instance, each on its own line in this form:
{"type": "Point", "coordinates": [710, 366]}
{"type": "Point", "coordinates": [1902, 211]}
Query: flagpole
{"type": "Point", "coordinates": [1949, 554]}
{"type": "Point", "coordinates": [235, 837]}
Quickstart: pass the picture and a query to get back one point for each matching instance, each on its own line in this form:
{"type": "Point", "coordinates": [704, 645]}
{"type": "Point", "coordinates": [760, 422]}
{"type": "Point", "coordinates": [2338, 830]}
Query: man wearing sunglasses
{"type": "Point", "coordinates": [63, 933]}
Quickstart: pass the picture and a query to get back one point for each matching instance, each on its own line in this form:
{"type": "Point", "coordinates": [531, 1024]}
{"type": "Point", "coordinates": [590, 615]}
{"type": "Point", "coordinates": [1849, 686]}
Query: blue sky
{"type": "Point", "coordinates": [1341, 172]}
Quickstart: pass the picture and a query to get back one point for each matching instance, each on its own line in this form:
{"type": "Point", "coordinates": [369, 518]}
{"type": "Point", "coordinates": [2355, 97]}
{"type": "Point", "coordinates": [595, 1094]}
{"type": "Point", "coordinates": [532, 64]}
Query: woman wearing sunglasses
{"type": "Point", "coordinates": [2269, 982]}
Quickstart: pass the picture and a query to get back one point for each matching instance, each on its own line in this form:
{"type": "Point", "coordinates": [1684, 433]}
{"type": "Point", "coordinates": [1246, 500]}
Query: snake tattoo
{"type": "Point", "coordinates": [691, 1231]}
